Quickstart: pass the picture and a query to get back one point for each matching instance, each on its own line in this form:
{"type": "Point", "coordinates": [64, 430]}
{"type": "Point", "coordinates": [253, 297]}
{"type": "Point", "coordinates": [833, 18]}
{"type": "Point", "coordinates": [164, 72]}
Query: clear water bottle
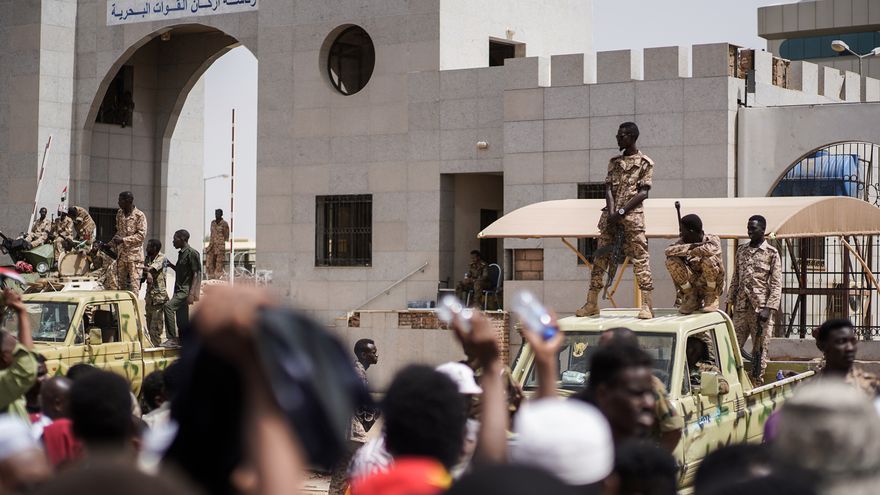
{"type": "Point", "coordinates": [450, 309]}
{"type": "Point", "coordinates": [533, 315]}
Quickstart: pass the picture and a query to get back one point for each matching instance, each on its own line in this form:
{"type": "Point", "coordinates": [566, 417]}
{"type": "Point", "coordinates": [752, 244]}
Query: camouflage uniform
{"type": "Point", "coordinates": [699, 264]}
{"type": "Point", "coordinates": [63, 231]}
{"type": "Point", "coordinates": [103, 268]}
{"type": "Point", "coordinates": [696, 373]}
{"type": "Point", "coordinates": [667, 418]}
{"type": "Point", "coordinates": [868, 383]}
{"type": "Point", "coordinates": [85, 226]}
{"type": "Point", "coordinates": [133, 230]}
{"type": "Point", "coordinates": [756, 284]}
{"type": "Point", "coordinates": [477, 279]}
{"type": "Point", "coordinates": [216, 251]}
{"type": "Point", "coordinates": [39, 232]}
{"type": "Point", "coordinates": [157, 296]}
{"type": "Point", "coordinates": [626, 175]}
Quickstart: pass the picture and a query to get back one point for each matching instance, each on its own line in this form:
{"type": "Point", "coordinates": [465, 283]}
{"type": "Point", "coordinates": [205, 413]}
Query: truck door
{"type": "Point", "coordinates": [100, 342]}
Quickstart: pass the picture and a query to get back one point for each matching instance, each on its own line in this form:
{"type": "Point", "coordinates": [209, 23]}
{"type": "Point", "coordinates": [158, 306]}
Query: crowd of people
{"type": "Point", "coordinates": [263, 395]}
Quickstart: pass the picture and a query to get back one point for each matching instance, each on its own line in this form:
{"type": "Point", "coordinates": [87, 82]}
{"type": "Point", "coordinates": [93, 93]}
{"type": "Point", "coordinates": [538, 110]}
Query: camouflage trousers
{"type": "Point", "coordinates": [699, 272]}
{"type": "Point", "coordinates": [214, 263]}
{"type": "Point", "coordinates": [745, 323]}
{"type": "Point", "coordinates": [35, 239]}
{"type": "Point", "coordinates": [128, 274]}
{"type": "Point", "coordinates": [635, 246]}
{"type": "Point", "coordinates": [467, 285]}
{"type": "Point", "coordinates": [155, 312]}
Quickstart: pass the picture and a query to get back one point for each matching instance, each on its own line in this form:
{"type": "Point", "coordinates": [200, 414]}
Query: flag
{"type": "Point", "coordinates": [11, 274]}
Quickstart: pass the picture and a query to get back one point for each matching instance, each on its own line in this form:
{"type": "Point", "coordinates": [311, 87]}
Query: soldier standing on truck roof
{"type": "Point", "coordinates": [836, 339]}
{"type": "Point", "coordinates": [62, 232]}
{"type": "Point", "coordinates": [131, 231]}
{"type": "Point", "coordinates": [756, 288]}
{"type": "Point", "coordinates": [216, 251]}
{"type": "Point", "coordinates": [82, 222]}
{"type": "Point", "coordinates": [39, 232]}
{"type": "Point", "coordinates": [629, 179]}
{"type": "Point", "coordinates": [695, 265]}
{"type": "Point", "coordinates": [157, 294]}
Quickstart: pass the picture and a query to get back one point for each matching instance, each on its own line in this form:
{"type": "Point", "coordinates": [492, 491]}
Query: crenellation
{"type": "Point", "coordinates": [870, 89]}
{"type": "Point", "coordinates": [619, 66]}
{"type": "Point", "coordinates": [666, 62]}
{"type": "Point", "coordinates": [711, 60]}
{"type": "Point", "coordinates": [852, 86]}
{"type": "Point", "coordinates": [830, 82]}
{"type": "Point", "coordinates": [527, 72]}
{"type": "Point", "coordinates": [804, 77]}
{"type": "Point", "coordinates": [568, 70]}
{"type": "Point", "coordinates": [763, 67]}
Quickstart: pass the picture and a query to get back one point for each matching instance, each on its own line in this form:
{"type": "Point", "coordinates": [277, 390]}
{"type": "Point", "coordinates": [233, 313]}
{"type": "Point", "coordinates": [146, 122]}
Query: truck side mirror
{"type": "Point", "coordinates": [709, 384]}
{"type": "Point", "coordinates": [94, 337]}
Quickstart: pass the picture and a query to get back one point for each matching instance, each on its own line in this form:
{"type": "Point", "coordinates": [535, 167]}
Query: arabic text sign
{"type": "Point", "coordinates": [131, 11]}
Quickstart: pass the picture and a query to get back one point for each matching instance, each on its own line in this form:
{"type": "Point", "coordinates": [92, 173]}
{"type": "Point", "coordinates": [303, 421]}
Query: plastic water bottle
{"type": "Point", "coordinates": [451, 308]}
{"type": "Point", "coordinates": [533, 315]}
{"type": "Point", "coordinates": [779, 375]}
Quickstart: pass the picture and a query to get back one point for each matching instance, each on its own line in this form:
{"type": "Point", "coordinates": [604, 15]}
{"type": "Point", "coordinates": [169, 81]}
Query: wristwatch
{"type": "Point", "coordinates": [621, 212]}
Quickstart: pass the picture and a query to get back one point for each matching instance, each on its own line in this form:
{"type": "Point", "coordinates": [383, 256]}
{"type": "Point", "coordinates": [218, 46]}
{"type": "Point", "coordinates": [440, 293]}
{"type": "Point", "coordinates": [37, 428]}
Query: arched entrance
{"type": "Point", "coordinates": [144, 131]}
{"type": "Point", "coordinates": [832, 277]}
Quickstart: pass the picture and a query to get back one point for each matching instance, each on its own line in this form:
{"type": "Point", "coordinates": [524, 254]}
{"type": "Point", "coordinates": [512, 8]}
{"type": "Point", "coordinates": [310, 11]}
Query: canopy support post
{"type": "Point", "coordinates": [861, 261]}
{"type": "Point", "coordinates": [579, 254]}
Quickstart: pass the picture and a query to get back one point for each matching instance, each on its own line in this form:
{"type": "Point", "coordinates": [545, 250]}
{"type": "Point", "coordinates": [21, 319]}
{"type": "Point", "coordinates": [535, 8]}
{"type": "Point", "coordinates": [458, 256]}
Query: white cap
{"type": "Point", "coordinates": [568, 438]}
{"type": "Point", "coordinates": [462, 375]}
{"type": "Point", "coordinates": [15, 437]}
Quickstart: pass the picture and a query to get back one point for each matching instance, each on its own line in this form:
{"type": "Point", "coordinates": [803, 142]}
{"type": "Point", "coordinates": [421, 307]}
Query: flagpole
{"type": "Point", "coordinates": [39, 183]}
{"type": "Point", "coordinates": [232, 208]}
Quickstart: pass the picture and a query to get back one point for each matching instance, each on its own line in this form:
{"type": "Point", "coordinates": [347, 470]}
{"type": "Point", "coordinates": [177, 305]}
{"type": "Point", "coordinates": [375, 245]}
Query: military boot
{"type": "Point", "coordinates": [689, 301]}
{"type": "Point", "coordinates": [710, 299]}
{"type": "Point", "coordinates": [591, 307]}
{"type": "Point", "coordinates": [646, 312]}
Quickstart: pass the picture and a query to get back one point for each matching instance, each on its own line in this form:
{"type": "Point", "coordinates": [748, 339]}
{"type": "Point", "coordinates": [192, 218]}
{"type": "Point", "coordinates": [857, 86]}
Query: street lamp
{"type": "Point", "coordinates": [840, 46]}
{"type": "Point", "coordinates": [205, 204]}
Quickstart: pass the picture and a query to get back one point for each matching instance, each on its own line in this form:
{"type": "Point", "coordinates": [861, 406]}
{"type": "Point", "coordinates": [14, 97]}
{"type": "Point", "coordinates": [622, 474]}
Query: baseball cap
{"type": "Point", "coordinates": [568, 438]}
{"type": "Point", "coordinates": [462, 375]}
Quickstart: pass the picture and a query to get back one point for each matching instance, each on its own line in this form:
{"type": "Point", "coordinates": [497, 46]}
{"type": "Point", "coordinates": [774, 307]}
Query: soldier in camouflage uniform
{"type": "Point", "coordinates": [157, 294]}
{"type": "Point", "coordinates": [836, 339]}
{"type": "Point", "coordinates": [82, 221]}
{"type": "Point", "coordinates": [695, 265]}
{"type": "Point", "coordinates": [700, 360]}
{"type": "Point", "coordinates": [131, 231]}
{"type": "Point", "coordinates": [102, 267]}
{"type": "Point", "coordinates": [756, 289]}
{"type": "Point", "coordinates": [62, 231]}
{"type": "Point", "coordinates": [216, 251]}
{"type": "Point", "coordinates": [627, 184]}
{"type": "Point", "coordinates": [476, 279]}
{"type": "Point", "coordinates": [39, 233]}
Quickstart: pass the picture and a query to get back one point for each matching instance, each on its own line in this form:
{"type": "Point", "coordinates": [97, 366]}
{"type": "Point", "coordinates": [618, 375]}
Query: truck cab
{"type": "Point", "coordinates": [712, 419]}
{"type": "Point", "coordinates": [105, 329]}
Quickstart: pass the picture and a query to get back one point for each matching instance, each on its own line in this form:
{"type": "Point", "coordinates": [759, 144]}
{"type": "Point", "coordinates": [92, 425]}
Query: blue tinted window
{"type": "Point", "coordinates": [820, 46]}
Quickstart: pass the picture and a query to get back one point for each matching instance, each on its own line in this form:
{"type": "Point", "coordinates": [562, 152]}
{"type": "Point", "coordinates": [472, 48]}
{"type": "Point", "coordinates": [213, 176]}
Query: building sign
{"type": "Point", "coordinates": [131, 11]}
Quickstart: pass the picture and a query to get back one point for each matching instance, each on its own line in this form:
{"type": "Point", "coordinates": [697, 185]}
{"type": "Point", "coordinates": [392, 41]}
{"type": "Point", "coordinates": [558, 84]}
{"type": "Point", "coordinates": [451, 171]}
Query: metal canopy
{"type": "Point", "coordinates": [787, 217]}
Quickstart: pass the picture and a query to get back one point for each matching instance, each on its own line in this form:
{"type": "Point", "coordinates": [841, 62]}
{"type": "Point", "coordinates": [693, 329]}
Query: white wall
{"type": "Point", "coordinates": [184, 194]}
{"type": "Point", "coordinates": [547, 27]}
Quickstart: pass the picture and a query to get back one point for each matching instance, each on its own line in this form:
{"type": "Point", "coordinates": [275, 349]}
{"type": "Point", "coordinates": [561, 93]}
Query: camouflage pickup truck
{"type": "Point", "coordinates": [712, 419]}
{"type": "Point", "coordinates": [102, 328]}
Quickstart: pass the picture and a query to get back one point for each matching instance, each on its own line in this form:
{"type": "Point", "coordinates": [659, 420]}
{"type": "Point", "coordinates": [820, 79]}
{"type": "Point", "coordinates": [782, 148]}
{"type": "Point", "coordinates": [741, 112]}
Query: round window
{"type": "Point", "coordinates": [350, 60]}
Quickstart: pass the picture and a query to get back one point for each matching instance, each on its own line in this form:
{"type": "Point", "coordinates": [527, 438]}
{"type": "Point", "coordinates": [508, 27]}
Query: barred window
{"type": "Point", "coordinates": [105, 222]}
{"type": "Point", "coordinates": [344, 230]}
{"type": "Point", "coordinates": [589, 190]}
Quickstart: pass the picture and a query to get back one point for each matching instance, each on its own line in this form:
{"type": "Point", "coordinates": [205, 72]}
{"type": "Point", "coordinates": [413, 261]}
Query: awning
{"type": "Point", "coordinates": [800, 216]}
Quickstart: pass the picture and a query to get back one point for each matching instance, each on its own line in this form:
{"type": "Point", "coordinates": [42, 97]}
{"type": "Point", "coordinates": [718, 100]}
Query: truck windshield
{"type": "Point", "coordinates": [574, 358]}
{"type": "Point", "coordinates": [49, 320]}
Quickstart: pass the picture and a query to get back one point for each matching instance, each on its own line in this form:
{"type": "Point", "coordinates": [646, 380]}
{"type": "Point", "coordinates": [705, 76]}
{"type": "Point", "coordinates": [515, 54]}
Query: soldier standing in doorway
{"type": "Point", "coordinates": [131, 231]}
{"type": "Point", "coordinates": [756, 289]}
{"type": "Point", "coordinates": [157, 294]}
{"type": "Point", "coordinates": [476, 279]}
{"type": "Point", "coordinates": [216, 252]}
{"type": "Point", "coordinates": [694, 263]}
{"type": "Point", "coordinates": [627, 184]}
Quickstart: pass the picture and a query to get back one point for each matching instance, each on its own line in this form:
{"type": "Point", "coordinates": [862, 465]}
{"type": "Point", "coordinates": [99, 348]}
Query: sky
{"type": "Point", "coordinates": [231, 82]}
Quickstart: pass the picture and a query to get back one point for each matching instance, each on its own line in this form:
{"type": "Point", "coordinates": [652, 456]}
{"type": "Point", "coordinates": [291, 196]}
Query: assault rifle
{"type": "Point", "coordinates": [617, 256]}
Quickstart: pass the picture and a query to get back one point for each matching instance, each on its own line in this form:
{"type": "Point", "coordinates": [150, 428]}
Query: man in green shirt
{"type": "Point", "coordinates": [18, 365]}
{"type": "Point", "coordinates": [187, 283]}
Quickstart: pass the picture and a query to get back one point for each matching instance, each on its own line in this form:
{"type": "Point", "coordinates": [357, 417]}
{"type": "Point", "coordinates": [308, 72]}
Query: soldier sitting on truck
{"type": "Point", "coordinates": [102, 266]}
{"type": "Point", "coordinates": [700, 360]}
{"type": "Point", "coordinates": [39, 232]}
{"type": "Point", "coordinates": [695, 265]}
{"type": "Point", "coordinates": [82, 222]}
{"type": "Point", "coordinates": [62, 234]}
{"type": "Point", "coordinates": [837, 341]}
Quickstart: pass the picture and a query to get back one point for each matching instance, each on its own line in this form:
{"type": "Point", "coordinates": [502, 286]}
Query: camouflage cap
{"type": "Point", "coordinates": [832, 430]}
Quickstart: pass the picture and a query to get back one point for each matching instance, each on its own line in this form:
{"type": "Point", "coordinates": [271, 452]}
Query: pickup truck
{"type": "Point", "coordinates": [103, 328]}
{"type": "Point", "coordinates": [711, 419]}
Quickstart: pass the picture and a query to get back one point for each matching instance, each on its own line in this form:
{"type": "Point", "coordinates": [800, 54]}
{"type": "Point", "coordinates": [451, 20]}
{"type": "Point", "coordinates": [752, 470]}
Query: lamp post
{"type": "Point", "coordinates": [840, 46]}
{"type": "Point", "coordinates": [205, 205]}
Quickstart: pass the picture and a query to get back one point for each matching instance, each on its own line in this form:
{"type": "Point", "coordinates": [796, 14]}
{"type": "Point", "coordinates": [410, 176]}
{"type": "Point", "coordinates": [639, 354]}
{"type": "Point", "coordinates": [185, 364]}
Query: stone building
{"type": "Point", "coordinates": [392, 131]}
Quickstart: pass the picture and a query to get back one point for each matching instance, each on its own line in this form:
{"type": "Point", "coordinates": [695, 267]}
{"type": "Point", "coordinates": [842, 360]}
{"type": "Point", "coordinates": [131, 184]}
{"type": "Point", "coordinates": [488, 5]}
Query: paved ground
{"type": "Point", "coordinates": [317, 483]}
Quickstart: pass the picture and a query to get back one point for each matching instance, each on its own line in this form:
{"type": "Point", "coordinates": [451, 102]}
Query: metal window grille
{"type": "Point", "coordinates": [344, 230]}
{"type": "Point", "coordinates": [822, 277]}
{"type": "Point", "coordinates": [589, 190]}
{"type": "Point", "coordinates": [105, 222]}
